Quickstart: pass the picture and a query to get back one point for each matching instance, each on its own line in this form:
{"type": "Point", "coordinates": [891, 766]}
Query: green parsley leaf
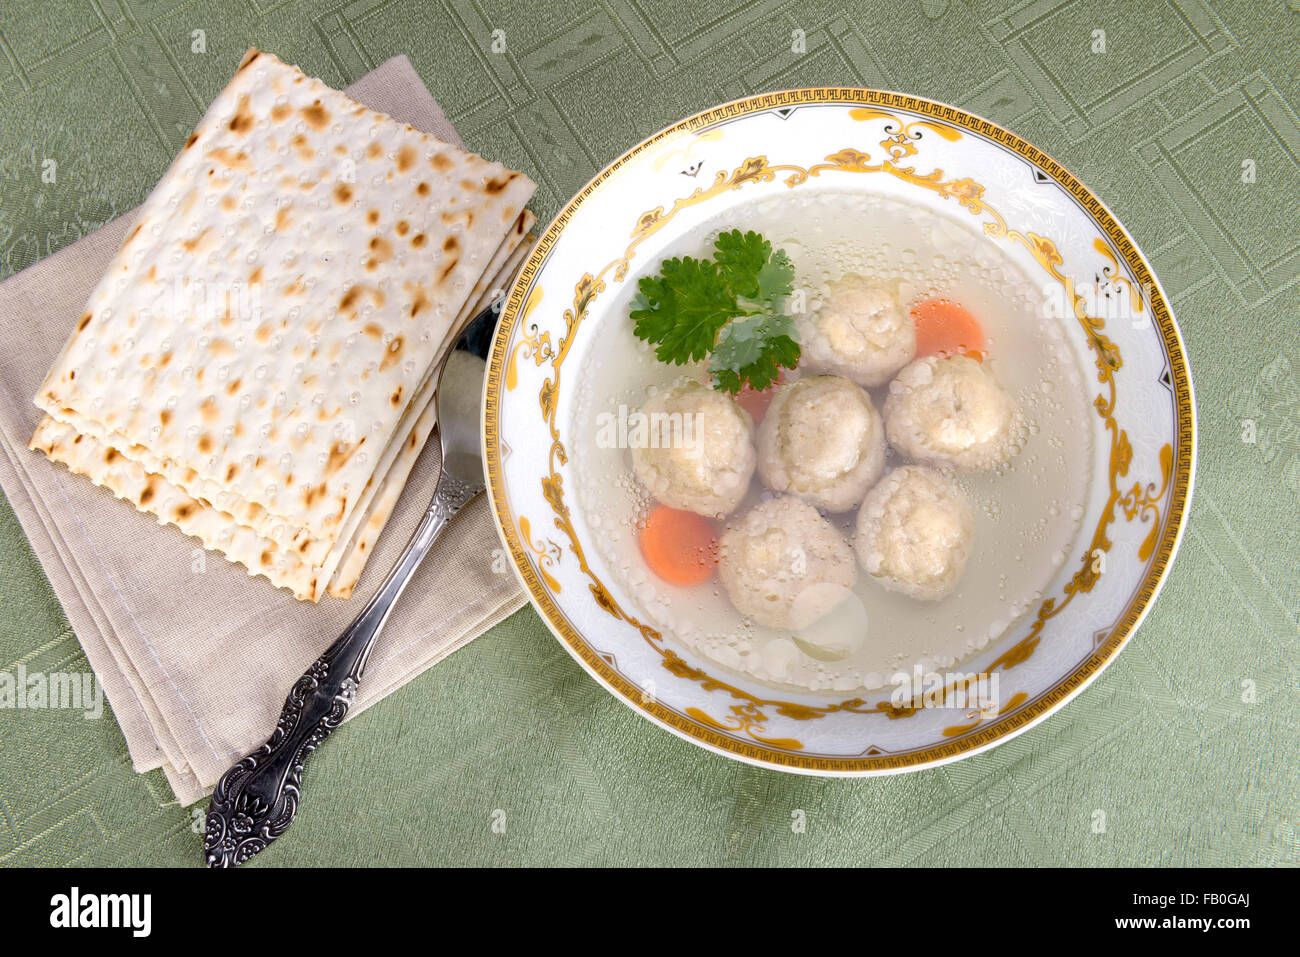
{"type": "Point", "coordinates": [776, 277]}
{"type": "Point", "coordinates": [740, 257]}
{"type": "Point", "coordinates": [683, 308]}
{"type": "Point", "coordinates": [752, 350]}
{"type": "Point", "coordinates": [729, 309]}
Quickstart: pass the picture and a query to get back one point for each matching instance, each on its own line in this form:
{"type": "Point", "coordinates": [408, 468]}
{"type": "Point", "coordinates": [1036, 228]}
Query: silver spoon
{"type": "Point", "coordinates": [257, 799]}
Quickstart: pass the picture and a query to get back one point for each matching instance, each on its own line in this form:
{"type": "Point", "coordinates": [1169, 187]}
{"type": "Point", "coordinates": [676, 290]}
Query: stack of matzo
{"type": "Point", "coordinates": [256, 367]}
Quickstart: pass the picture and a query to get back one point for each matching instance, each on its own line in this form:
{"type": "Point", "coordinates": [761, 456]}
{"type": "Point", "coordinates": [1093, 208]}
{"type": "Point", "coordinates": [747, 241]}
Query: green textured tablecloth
{"type": "Point", "coordinates": [1181, 116]}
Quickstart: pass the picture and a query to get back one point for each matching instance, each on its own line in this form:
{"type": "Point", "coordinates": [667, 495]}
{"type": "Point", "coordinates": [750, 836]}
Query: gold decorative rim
{"type": "Point", "coordinates": [982, 735]}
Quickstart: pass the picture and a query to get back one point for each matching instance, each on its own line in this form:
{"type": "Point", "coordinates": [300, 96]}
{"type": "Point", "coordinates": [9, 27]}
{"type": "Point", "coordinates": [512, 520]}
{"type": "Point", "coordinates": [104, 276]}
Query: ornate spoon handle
{"type": "Point", "coordinates": [257, 799]}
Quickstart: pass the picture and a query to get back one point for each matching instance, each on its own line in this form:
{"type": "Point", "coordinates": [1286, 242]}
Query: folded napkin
{"type": "Point", "coordinates": [194, 656]}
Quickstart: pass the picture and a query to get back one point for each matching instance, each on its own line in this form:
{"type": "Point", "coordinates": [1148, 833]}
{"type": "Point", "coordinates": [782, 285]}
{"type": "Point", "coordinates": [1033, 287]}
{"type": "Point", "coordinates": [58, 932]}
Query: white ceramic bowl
{"type": "Point", "coordinates": [960, 166]}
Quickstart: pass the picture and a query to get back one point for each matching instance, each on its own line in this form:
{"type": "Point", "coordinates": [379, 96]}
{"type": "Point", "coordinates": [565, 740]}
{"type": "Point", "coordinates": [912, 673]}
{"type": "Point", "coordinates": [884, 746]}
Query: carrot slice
{"type": "Point", "coordinates": [755, 402]}
{"type": "Point", "coordinates": [945, 328]}
{"type": "Point", "coordinates": [680, 547]}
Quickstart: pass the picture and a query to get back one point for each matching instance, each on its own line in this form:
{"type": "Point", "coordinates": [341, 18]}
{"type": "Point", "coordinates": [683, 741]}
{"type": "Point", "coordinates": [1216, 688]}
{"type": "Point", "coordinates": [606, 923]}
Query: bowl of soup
{"type": "Point", "coordinates": [839, 431]}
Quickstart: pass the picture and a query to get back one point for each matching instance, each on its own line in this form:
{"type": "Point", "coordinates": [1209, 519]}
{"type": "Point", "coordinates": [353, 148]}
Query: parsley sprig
{"type": "Point", "coordinates": [729, 309]}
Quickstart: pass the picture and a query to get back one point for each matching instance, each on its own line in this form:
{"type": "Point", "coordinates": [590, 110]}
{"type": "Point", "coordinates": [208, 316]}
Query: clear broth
{"type": "Point", "coordinates": [1027, 513]}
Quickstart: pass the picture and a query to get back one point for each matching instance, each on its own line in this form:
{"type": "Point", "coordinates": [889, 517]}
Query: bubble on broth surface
{"type": "Point", "coordinates": [1027, 512]}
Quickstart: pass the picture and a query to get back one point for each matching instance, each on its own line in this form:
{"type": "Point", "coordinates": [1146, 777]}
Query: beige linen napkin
{"type": "Point", "coordinates": [194, 655]}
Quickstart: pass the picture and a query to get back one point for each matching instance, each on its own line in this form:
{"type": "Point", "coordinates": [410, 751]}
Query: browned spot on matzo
{"type": "Point", "coordinates": [392, 354]}
{"type": "Point", "coordinates": [317, 116]}
{"type": "Point", "coordinates": [242, 121]}
{"type": "Point", "coordinates": [419, 301]}
{"type": "Point", "coordinates": [192, 245]}
{"type": "Point", "coordinates": [340, 452]}
{"type": "Point", "coordinates": [381, 250]}
{"type": "Point", "coordinates": [231, 159]}
{"type": "Point", "coordinates": [348, 302]}
{"type": "Point", "coordinates": [497, 185]}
